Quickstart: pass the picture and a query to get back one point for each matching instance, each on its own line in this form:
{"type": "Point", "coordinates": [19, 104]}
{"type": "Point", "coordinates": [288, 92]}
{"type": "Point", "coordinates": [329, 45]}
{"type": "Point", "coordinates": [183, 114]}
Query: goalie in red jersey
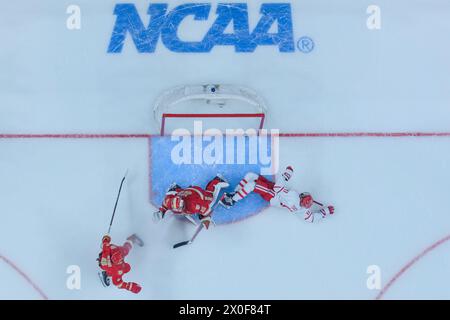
{"type": "Point", "coordinates": [192, 200]}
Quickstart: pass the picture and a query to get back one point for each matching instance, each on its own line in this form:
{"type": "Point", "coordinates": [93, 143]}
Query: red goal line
{"type": "Point", "coordinates": [283, 135]}
{"type": "Point", "coordinates": [367, 134]}
{"type": "Point", "coordinates": [262, 116]}
{"type": "Point", "coordinates": [213, 115]}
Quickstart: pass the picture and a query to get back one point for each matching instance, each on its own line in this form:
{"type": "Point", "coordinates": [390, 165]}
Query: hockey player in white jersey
{"type": "Point", "coordinates": [278, 195]}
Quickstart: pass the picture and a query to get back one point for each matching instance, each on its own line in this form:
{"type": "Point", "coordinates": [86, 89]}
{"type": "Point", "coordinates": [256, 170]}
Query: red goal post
{"type": "Point", "coordinates": [219, 101]}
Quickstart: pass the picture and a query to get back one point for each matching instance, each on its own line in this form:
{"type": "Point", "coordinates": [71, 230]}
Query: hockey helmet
{"type": "Point", "coordinates": [306, 200]}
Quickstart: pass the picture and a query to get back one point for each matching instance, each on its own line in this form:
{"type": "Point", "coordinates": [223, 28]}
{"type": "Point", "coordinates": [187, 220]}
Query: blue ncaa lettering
{"type": "Point", "coordinates": [164, 24]}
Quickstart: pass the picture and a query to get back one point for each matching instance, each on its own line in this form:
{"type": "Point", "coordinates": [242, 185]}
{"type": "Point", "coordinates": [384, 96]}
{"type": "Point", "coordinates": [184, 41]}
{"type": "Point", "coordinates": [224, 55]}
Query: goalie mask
{"type": "Point", "coordinates": [306, 201]}
{"type": "Point", "coordinates": [177, 204]}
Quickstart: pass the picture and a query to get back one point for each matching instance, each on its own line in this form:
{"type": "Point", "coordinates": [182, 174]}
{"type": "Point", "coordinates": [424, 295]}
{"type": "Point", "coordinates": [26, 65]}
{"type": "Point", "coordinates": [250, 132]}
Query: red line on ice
{"type": "Point", "coordinates": [73, 136]}
{"type": "Point", "coordinates": [365, 134]}
{"type": "Point", "coordinates": [283, 135]}
{"type": "Point", "coordinates": [410, 264]}
{"type": "Point", "coordinates": [24, 275]}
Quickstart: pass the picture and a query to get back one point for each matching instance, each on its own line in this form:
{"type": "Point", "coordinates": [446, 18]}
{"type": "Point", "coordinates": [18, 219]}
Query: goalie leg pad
{"type": "Point", "coordinates": [216, 184]}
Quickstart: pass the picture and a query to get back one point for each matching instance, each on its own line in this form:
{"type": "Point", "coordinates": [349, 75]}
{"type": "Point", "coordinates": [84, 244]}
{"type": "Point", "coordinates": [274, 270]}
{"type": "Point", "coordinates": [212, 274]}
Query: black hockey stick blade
{"type": "Point", "coordinates": [180, 244]}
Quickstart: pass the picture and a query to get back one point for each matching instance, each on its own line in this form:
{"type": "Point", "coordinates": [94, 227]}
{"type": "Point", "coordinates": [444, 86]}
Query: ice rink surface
{"type": "Point", "coordinates": [67, 105]}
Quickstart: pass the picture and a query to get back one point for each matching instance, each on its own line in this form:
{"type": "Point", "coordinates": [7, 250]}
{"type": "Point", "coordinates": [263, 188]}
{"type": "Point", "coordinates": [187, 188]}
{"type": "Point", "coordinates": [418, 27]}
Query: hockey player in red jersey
{"type": "Point", "coordinates": [192, 200]}
{"type": "Point", "coordinates": [278, 195]}
{"type": "Point", "coordinates": [111, 260]}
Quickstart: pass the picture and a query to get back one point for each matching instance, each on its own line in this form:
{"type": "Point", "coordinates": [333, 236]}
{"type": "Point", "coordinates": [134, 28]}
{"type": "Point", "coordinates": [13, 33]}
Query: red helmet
{"type": "Point", "coordinates": [306, 201]}
{"type": "Point", "coordinates": [177, 203]}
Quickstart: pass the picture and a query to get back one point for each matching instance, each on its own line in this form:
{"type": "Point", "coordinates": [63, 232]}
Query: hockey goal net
{"type": "Point", "coordinates": [214, 106]}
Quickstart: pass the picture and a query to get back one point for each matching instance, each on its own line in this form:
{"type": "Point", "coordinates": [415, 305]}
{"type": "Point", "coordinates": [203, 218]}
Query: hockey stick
{"type": "Point", "coordinates": [191, 220]}
{"type": "Point", "coordinates": [117, 200]}
{"type": "Point", "coordinates": [318, 203]}
{"type": "Point", "coordinates": [183, 243]}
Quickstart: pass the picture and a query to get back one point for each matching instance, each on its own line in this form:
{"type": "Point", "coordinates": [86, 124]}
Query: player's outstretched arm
{"type": "Point", "coordinates": [317, 214]}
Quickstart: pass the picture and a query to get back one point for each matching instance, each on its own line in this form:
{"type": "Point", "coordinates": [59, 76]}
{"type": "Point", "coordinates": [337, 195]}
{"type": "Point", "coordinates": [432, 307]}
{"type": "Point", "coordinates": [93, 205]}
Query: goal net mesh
{"type": "Point", "coordinates": [214, 106]}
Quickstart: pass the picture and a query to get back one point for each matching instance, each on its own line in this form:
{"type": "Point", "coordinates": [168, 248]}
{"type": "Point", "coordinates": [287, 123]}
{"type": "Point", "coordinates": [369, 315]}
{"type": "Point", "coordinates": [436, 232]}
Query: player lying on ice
{"type": "Point", "coordinates": [192, 200]}
{"type": "Point", "coordinates": [278, 195]}
{"type": "Point", "coordinates": [111, 260]}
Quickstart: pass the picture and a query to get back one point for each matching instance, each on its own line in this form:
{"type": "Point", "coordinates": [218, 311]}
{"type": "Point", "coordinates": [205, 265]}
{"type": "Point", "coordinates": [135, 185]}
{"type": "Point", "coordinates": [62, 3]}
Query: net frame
{"type": "Point", "coordinates": [215, 95]}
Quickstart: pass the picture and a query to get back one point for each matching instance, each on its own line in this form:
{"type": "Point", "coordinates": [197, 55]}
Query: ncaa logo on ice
{"type": "Point", "coordinates": [229, 26]}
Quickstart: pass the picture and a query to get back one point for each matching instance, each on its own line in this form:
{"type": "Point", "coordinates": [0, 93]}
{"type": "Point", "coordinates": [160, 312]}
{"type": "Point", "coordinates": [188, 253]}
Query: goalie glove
{"type": "Point", "coordinates": [158, 216]}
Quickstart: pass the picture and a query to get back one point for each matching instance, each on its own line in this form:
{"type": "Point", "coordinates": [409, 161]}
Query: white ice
{"type": "Point", "coordinates": [57, 195]}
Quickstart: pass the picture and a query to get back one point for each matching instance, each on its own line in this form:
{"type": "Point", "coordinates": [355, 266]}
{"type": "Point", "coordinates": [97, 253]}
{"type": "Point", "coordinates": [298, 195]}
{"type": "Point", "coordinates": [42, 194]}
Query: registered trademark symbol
{"type": "Point", "coordinates": [305, 44]}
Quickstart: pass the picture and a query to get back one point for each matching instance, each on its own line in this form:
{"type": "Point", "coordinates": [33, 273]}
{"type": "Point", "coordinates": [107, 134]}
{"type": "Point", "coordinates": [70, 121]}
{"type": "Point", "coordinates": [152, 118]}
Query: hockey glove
{"type": "Point", "coordinates": [331, 209]}
{"type": "Point", "coordinates": [106, 238]}
{"type": "Point", "coordinates": [158, 216]}
{"type": "Point", "coordinates": [327, 211]}
{"type": "Point", "coordinates": [287, 174]}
